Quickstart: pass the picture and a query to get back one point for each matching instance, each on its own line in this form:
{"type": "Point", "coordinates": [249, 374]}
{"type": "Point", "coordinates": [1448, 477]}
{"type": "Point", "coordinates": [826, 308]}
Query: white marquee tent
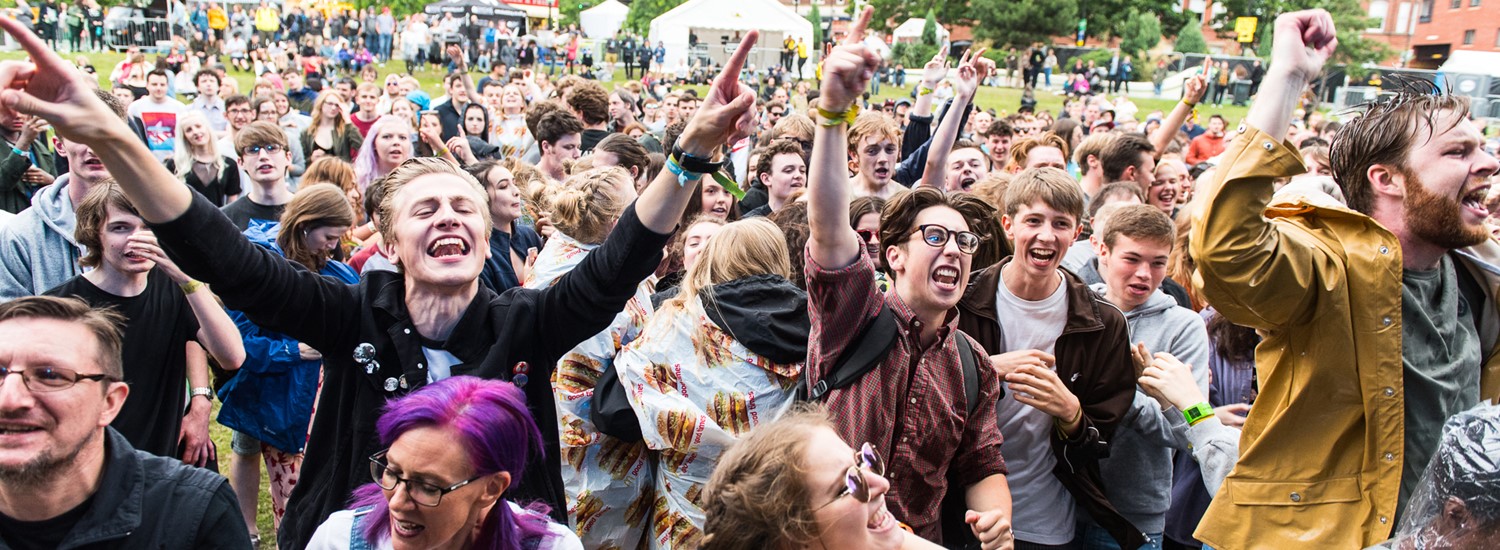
{"type": "Point", "coordinates": [604, 20]}
{"type": "Point", "coordinates": [714, 21]}
{"type": "Point", "coordinates": [911, 31]}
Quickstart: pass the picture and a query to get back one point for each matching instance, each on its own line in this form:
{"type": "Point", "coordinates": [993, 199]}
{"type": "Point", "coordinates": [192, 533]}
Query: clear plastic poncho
{"type": "Point", "coordinates": [1457, 502]}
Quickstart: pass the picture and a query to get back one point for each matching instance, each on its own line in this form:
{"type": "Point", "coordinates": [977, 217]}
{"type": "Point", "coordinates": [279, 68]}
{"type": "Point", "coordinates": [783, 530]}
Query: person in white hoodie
{"type": "Point", "coordinates": [37, 247]}
{"type": "Point", "coordinates": [1137, 241]}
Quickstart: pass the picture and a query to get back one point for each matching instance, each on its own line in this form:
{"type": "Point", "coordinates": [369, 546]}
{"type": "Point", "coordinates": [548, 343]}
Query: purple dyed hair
{"type": "Point", "coordinates": [489, 419]}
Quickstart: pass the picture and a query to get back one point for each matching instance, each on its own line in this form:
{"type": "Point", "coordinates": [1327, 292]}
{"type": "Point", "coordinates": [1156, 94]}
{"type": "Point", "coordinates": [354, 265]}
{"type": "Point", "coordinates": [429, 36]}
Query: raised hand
{"type": "Point", "coordinates": [848, 69]}
{"type": "Point", "coordinates": [936, 69]}
{"type": "Point", "coordinates": [727, 113]}
{"type": "Point", "coordinates": [53, 89]}
{"type": "Point", "coordinates": [972, 69]}
{"type": "Point", "coordinates": [1196, 85]}
{"type": "Point", "coordinates": [1303, 42]}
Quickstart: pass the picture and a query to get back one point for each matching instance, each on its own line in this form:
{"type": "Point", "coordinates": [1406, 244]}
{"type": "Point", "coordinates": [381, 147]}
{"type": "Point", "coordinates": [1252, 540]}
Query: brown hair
{"type": "Point", "coordinates": [555, 125]}
{"type": "Point", "coordinates": [590, 102]}
{"type": "Point", "coordinates": [792, 220]}
{"type": "Point", "coordinates": [1021, 149]}
{"type": "Point", "coordinates": [410, 170]}
{"type": "Point", "coordinates": [104, 323]}
{"type": "Point", "coordinates": [330, 170]}
{"type": "Point", "coordinates": [629, 152]}
{"type": "Point", "coordinates": [1141, 222]}
{"type": "Point", "coordinates": [1051, 186]}
{"type": "Point", "coordinates": [259, 133]}
{"type": "Point", "coordinates": [313, 207]}
{"type": "Point", "coordinates": [1386, 133]}
{"type": "Point", "coordinates": [317, 113]}
{"type": "Point", "coordinates": [872, 124]}
{"type": "Point", "coordinates": [794, 126]}
{"type": "Point", "coordinates": [1092, 146]}
{"type": "Point", "coordinates": [899, 219]}
{"type": "Point", "coordinates": [586, 206]}
{"type": "Point", "coordinates": [1125, 151]}
{"type": "Point", "coordinates": [92, 213]}
{"type": "Point", "coordinates": [758, 496]}
{"type": "Point", "coordinates": [1180, 265]}
{"type": "Point", "coordinates": [771, 151]}
{"type": "Point", "coordinates": [741, 249]}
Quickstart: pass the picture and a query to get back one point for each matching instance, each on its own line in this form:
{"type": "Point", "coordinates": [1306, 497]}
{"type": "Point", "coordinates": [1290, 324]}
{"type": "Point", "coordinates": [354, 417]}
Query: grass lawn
{"type": "Point", "coordinates": [1000, 99]}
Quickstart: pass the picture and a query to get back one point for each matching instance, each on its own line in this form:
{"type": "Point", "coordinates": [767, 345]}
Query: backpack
{"type": "Point", "coordinates": [870, 347]}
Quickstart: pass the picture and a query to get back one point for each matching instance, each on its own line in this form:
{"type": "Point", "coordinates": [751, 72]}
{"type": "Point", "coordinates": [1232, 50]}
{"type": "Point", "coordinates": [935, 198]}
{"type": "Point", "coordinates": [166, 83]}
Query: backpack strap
{"type": "Point", "coordinates": [971, 373]}
{"type": "Point", "coordinates": [863, 354]}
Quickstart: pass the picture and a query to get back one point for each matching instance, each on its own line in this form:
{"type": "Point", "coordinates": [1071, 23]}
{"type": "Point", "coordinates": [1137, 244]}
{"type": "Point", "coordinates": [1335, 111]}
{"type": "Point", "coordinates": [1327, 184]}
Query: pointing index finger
{"type": "Point", "coordinates": [857, 32]}
{"type": "Point", "coordinates": [40, 54]}
{"type": "Point", "coordinates": [730, 76]}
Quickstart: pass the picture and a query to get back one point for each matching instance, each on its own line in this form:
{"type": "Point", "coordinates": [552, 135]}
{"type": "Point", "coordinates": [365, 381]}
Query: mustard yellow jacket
{"type": "Point", "coordinates": [1321, 451]}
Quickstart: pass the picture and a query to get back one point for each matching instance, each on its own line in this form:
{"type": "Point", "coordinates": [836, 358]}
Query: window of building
{"type": "Point", "coordinates": [1377, 11]}
{"type": "Point", "coordinates": [1473, 3]}
{"type": "Point", "coordinates": [1497, 38]}
{"type": "Point", "coordinates": [1404, 24]}
{"type": "Point", "coordinates": [1454, 4]}
{"type": "Point", "coordinates": [1425, 15]}
{"type": "Point", "coordinates": [1469, 37]}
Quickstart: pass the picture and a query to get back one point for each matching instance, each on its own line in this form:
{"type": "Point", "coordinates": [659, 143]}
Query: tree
{"type": "Point", "coordinates": [1021, 23]}
{"type": "Point", "coordinates": [814, 49]}
{"type": "Point", "coordinates": [568, 10]}
{"type": "Point", "coordinates": [1105, 16]}
{"type": "Point", "coordinates": [929, 29]}
{"type": "Point", "coordinates": [1348, 17]}
{"type": "Point", "coordinates": [399, 8]}
{"type": "Point", "coordinates": [1140, 32]}
{"type": "Point", "coordinates": [642, 12]}
{"type": "Point", "coordinates": [1190, 39]}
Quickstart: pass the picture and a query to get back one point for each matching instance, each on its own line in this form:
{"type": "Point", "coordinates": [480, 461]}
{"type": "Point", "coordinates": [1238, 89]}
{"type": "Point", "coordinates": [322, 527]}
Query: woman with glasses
{"type": "Point", "coordinates": [794, 483]}
{"type": "Point", "coordinates": [452, 449]}
{"type": "Point", "coordinates": [718, 359]}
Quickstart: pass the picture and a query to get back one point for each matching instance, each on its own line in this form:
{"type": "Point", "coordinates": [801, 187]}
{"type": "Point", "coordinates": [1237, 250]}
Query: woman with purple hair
{"type": "Point", "coordinates": [450, 452]}
{"type": "Point", "coordinates": [388, 144]}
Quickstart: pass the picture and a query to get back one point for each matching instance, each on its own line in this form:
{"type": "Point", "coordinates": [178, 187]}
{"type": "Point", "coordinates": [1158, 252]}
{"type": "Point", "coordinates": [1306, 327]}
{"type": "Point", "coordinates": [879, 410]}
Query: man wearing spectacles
{"type": "Point", "coordinates": [68, 479]}
{"type": "Point", "coordinates": [264, 156]}
{"type": "Point", "coordinates": [913, 407]}
{"type": "Point", "coordinates": [1063, 355]}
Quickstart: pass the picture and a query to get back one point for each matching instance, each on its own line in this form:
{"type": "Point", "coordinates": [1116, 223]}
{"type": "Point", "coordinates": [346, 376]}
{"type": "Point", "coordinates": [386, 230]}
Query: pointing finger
{"type": "Point", "coordinates": [728, 81]}
{"type": "Point", "coordinates": [40, 54]}
{"type": "Point", "coordinates": [857, 32]}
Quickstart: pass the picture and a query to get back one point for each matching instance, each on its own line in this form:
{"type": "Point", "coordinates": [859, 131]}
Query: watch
{"type": "Point", "coordinates": [696, 165]}
{"type": "Point", "coordinates": [204, 392]}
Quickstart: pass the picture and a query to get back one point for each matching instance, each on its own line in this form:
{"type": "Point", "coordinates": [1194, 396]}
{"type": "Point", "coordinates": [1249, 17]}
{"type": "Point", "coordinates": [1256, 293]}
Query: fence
{"type": "Point", "coordinates": [140, 32]}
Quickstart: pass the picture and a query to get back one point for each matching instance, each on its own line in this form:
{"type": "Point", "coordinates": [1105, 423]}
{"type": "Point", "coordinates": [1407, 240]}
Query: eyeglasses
{"type": "Point", "coordinates": [49, 379]}
{"type": "Point", "coordinates": [269, 148]}
{"type": "Point", "coordinates": [937, 236]}
{"type": "Point", "coordinates": [865, 235]}
{"type": "Point", "coordinates": [865, 460]}
{"type": "Point", "coordinates": [423, 493]}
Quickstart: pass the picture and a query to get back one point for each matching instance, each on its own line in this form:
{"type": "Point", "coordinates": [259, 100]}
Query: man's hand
{"type": "Point", "coordinates": [459, 146]}
{"type": "Point", "coordinates": [992, 529]}
{"type": "Point", "coordinates": [144, 243]}
{"type": "Point", "coordinates": [1303, 42]}
{"type": "Point", "coordinates": [1170, 380]}
{"type": "Point", "coordinates": [972, 70]}
{"type": "Point", "coordinates": [197, 448]}
{"type": "Point", "coordinates": [1196, 85]}
{"type": "Point", "coordinates": [848, 69]}
{"type": "Point", "coordinates": [727, 113]}
{"type": "Point", "coordinates": [1042, 389]}
{"type": "Point", "coordinates": [1006, 363]}
{"type": "Point", "coordinates": [1141, 357]}
{"type": "Point", "coordinates": [935, 70]}
{"type": "Point", "coordinates": [1232, 415]}
{"type": "Point", "coordinates": [54, 89]}
{"type": "Point", "coordinates": [456, 54]}
{"type": "Point", "coordinates": [37, 177]}
{"type": "Point", "coordinates": [30, 129]}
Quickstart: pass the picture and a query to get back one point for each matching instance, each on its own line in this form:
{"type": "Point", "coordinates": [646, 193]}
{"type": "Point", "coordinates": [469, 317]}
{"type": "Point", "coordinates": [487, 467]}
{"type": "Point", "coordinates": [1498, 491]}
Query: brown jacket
{"type": "Point", "coordinates": [1093, 361]}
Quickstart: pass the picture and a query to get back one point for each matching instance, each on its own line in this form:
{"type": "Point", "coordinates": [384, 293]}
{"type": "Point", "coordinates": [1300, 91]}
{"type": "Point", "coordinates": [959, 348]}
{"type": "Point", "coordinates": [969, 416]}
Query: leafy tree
{"type": "Point", "coordinates": [1190, 39]}
{"type": "Point", "coordinates": [568, 10]}
{"type": "Point", "coordinates": [399, 8]}
{"type": "Point", "coordinates": [929, 29]}
{"type": "Point", "coordinates": [815, 49]}
{"type": "Point", "coordinates": [638, 19]}
{"type": "Point", "coordinates": [1105, 16]}
{"type": "Point", "coordinates": [1022, 23]}
{"type": "Point", "coordinates": [1140, 32]}
{"type": "Point", "coordinates": [1348, 17]}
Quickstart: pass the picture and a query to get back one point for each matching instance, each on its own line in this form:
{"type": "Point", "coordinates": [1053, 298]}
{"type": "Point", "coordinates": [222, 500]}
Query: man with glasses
{"type": "Point", "coordinates": [264, 156]}
{"type": "Point", "coordinates": [68, 479]}
{"type": "Point", "coordinates": [913, 405]}
{"type": "Point", "coordinates": [1063, 353]}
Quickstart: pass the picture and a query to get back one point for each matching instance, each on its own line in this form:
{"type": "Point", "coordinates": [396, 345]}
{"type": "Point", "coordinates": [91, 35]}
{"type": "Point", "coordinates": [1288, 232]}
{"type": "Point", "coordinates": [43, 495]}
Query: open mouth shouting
{"type": "Point", "coordinates": [1041, 257]}
{"type": "Point", "coordinates": [946, 278]}
{"type": "Point", "coordinates": [1473, 202]}
{"type": "Point", "coordinates": [448, 248]}
{"type": "Point", "coordinates": [881, 520]}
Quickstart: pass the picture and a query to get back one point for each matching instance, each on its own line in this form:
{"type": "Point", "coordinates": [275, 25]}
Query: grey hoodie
{"type": "Point", "coordinates": [37, 249]}
{"type": "Point", "coordinates": [1138, 472]}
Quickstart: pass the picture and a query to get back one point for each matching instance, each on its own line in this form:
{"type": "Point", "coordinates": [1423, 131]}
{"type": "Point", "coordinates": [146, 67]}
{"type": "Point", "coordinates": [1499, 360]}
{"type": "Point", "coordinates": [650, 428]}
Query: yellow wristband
{"type": "Point", "coordinates": [190, 287]}
{"type": "Point", "coordinates": [835, 118]}
{"type": "Point", "coordinates": [441, 152]}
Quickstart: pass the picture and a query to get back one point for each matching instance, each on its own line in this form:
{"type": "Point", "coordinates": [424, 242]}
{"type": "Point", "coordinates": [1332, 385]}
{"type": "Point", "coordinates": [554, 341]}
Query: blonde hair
{"type": "Point", "coordinates": [183, 156]}
{"type": "Point", "coordinates": [411, 170]}
{"type": "Point", "coordinates": [586, 206]}
{"type": "Point", "coordinates": [747, 247]}
{"type": "Point", "coordinates": [872, 124]}
{"type": "Point", "coordinates": [758, 496]}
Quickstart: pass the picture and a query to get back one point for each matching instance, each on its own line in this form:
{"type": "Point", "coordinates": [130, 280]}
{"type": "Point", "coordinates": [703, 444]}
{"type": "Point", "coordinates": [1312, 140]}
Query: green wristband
{"type": "Point", "coordinates": [1197, 413]}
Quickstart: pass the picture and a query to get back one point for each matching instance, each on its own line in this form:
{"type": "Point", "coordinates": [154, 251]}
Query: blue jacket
{"type": "Point", "coordinates": [271, 399]}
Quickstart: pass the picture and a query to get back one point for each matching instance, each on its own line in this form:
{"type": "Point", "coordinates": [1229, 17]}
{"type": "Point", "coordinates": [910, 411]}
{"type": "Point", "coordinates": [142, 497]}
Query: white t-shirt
{"type": "Point", "coordinates": [160, 121]}
{"type": "Point", "coordinates": [335, 531]}
{"type": "Point", "coordinates": [1041, 507]}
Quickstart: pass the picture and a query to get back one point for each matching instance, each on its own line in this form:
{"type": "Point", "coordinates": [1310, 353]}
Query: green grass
{"type": "Point", "coordinates": [1000, 99]}
{"type": "Point", "coordinates": [263, 522]}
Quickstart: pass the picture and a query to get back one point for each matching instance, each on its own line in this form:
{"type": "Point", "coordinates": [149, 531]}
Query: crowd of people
{"type": "Point", "coordinates": [536, 312]}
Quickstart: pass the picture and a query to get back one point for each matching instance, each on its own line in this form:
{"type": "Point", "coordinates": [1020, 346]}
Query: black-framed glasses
{"type": "Point", "coordinates": [271, 148]}
{"type": "Point", "coordinates": [49, 379]}
{"type": "Point", "coordinates": [420, 492]}
{"type": "Point", "coordinates": [865, 460]}
{"type": "Point", "coordinates": [937, 236]}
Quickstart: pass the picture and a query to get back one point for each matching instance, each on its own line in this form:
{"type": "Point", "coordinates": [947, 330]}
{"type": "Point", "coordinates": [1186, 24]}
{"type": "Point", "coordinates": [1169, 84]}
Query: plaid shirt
{"type": "Point", "coordinates": [911, 408]}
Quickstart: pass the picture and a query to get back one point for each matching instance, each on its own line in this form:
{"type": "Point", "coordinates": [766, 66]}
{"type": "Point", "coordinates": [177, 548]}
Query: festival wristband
{"type": "Point", "coordinates": [835, 118]}
{"type": "Point", "coordinates": [1197, 413]}
{"type": "Point", "coordinates": [684, 176]}
{"type": "Point", "coordinates": [923, 90]}
{"type": "Point", "coordinates": [694, 164]}
{"type": "Point", "coordinates": [190, 287]}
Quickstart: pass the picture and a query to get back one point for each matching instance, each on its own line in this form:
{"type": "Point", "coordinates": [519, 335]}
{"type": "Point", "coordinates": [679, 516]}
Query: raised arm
{"type": "Point", "coordinates": [1192, 92]}
{"type": "Point", "coordinates": [971, 71]}
{"type": "Point", "coordinates": [216, 331]}
{"type": "Point", "coordinates": [846, 73]}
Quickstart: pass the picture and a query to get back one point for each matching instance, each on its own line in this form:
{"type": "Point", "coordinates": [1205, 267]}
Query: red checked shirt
{"type": "Point", "coordinates": [911, 408]}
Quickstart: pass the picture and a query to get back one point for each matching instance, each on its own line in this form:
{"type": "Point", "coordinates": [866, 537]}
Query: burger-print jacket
{"type": "Point", "coordinates": [372, 351]}
{"type": "Point", "coordinates": [608, 481]}
{"type": "Point", "coordinates": [702, 375]}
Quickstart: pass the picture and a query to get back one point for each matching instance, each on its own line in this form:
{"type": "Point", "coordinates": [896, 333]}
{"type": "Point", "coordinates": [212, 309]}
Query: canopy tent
{"type": "Point", "coordinates": [1472, 62]}
{"type": "Point", "coordinates": [911, 31]}
{"type": "Point", "coordinates": [718, 23]}
{"type": "Point", "coordinates": [485, 10]}
{"type": "Point", "coordinates": [603, 20]}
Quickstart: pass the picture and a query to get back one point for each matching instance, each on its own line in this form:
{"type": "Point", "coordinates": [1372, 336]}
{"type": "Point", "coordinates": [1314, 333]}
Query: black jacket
{"type": "Point", "coordinates": [1093, 361]}
{"type": "Point", "coordinates": [149, 502]}
{"type": "Point", "coordinates": [494, 335]}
